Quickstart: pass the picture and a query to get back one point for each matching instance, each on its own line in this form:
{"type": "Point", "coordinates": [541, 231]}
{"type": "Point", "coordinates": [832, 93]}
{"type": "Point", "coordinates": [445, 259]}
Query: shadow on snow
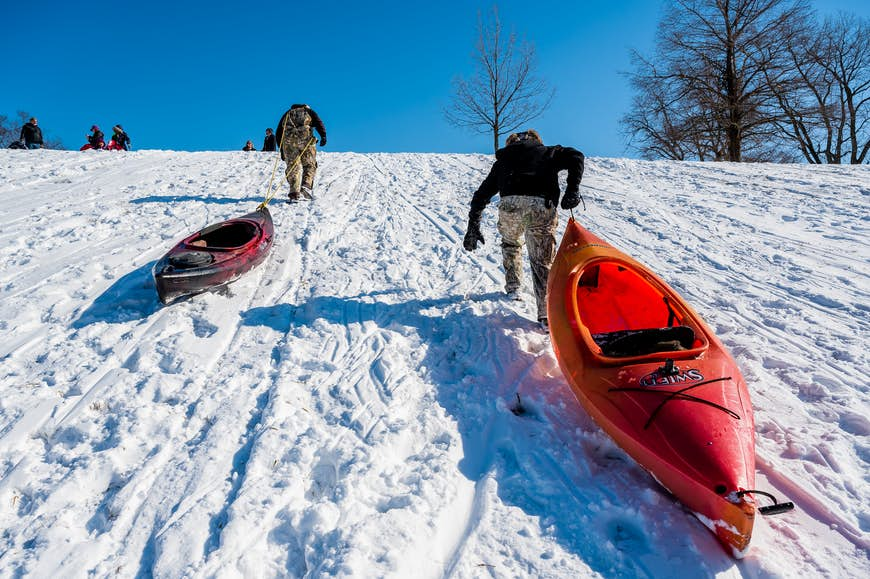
{"type": "Point", "coordinates": [132, 297]}
{"type": "Point", "coordinates": [201, 198]}
{"type": "Point", "coordinates": [538, 461]}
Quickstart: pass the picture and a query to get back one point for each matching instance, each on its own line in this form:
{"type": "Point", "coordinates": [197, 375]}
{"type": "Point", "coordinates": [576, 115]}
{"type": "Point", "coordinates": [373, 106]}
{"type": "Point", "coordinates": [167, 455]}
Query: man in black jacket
{"type": "Point", "coordinates": [31, 134]}
{"type": "Point", "coordinates": [296, 139]}
{"type": "Point", "coordinates": [526, 175]}
{"type": "Point", "coordinates": [269, 141]}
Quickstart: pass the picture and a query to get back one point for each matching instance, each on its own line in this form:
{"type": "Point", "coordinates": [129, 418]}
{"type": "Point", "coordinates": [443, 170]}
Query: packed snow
{"type": "Point", "coordinates": [345, 409]}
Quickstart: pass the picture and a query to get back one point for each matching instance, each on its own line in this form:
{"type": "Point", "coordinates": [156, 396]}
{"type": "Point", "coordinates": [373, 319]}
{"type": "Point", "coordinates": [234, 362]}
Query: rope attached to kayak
{"type": "Point", "coordinates": [269, 193]}
{"type": "Point", "coordinates": [582, 200]}
{"type": "Point", "coordinates": [680, 395]}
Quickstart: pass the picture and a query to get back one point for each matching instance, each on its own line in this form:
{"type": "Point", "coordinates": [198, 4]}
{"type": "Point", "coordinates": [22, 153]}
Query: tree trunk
{"type": "Point", "coordinates": [732, 93]}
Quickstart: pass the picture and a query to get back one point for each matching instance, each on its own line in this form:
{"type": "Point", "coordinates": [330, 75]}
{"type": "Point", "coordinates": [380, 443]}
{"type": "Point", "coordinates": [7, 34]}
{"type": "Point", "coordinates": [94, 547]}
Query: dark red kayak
{"type": "Point", "coordinates": [215, 256]}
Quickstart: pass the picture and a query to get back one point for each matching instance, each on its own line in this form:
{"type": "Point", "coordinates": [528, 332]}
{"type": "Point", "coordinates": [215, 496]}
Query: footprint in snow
{"type": "Point", "coordinates": [324, 477]}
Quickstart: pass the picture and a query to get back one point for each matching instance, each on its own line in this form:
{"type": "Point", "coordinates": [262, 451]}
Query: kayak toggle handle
{"type": "Point", "coordinates": [775, 509]}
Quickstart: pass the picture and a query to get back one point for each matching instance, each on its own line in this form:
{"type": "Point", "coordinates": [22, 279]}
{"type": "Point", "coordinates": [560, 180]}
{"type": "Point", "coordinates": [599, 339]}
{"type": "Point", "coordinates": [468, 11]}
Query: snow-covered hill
{"type": "Point", "coordinates": [345, 409]}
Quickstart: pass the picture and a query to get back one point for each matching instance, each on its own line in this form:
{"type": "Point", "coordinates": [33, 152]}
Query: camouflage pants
{"type": "Point", "coordinates": [527, 217]}
{"type": "Point", "coordinates": [301, 173]}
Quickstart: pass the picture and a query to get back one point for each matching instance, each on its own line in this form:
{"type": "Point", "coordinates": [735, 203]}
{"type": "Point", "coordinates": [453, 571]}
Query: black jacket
{"type": "Point", "coordinates": [121, 139]}
{"type": "Point", "coordinates": [316, 123]}
{"type": "Point", "coordinates": [31, 134]}
{"type": "Point", "coordinates": [530, 169]}
{"type": "Point", "coordinates": [269, 143]}
{"type": "Point", "coordinates": [97, 139]}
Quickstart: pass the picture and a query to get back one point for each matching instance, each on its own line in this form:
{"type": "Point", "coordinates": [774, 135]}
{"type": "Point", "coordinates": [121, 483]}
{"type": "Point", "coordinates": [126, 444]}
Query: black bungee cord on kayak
{"type": "Point", "coordinates": [669, 369]}
{"type": "Point", "coordinates": [680, 395]}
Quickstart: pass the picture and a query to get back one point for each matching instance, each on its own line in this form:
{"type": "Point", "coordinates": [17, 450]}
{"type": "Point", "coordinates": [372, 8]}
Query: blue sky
{"type": "Point", "coordinates": [192, 75]}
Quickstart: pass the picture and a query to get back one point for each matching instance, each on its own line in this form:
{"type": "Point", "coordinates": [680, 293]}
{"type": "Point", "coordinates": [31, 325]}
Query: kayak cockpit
{"type": "Point", "coordinates": [228, 235]}
{"type": "Point", "coordinates": [626, 313]}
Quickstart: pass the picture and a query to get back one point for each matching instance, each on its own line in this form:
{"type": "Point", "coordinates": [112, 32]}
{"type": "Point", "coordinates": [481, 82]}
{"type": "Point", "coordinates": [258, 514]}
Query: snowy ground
{"type": "Point", "coordinates": [345, 409]}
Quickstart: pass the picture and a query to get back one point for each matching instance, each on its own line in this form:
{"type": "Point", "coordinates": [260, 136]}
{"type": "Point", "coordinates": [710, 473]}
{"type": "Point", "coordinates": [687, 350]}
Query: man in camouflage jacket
{"type": "Point", "coordinates": [526, 175]}
{"type": "Point", "coordinates": [297, 144]}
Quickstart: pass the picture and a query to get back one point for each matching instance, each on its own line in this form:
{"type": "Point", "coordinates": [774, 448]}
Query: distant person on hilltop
{"type": "Point", "coordinates": [526, 176]}
{"type": "Point", "coordinates": [31, 135]}
{"type": "Point", "coordinates": [96, 139]}
{"type": "Point", "coordinates": [269, 143]}
{"type": "Point", "coordinates": [120, 140]}
{"type": "Point", "coordinates": [249, 146]}
{"type": "Point", "coordinates": [296, 138]}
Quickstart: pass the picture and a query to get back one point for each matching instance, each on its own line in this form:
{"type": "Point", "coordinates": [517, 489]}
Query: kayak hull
{"type": "Point", "coordinates": [656, 379]}
{"type": "Point", "coordinates": [214, 256]}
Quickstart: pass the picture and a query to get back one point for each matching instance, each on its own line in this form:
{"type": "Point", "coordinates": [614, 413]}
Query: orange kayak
{"type": "Point", "coordinates": [656, 379]}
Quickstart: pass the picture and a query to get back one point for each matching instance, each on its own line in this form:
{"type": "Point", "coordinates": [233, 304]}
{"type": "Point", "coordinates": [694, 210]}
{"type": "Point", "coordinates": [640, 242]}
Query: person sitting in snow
{"type": "Point", "coordinates": [96, 139]}
{"type": "Point", "coordinates": [296, 139]}
{"type": "Point", "coordinates": [120, 140]}
{"type": "Point", "coordinates": [526, 175]}
{"type": "Point", "coordinates": [249, 146]}
{"type": "Point", "coordinates": [31, 135]}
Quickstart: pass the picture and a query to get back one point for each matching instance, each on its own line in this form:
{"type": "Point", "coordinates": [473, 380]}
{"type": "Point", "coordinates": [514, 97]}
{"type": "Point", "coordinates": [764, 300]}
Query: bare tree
{"type": "Point", "coordinates": [825, 93]}
{"type": "Point", "coordinates": [8, 133]}
{"type": "Point", "coordinates": [843, 55]}
{"type": "Point", "coordinates": [711, 56]}
{"type": "Point", "coordinates": [504, 94]}
{"type": "Point", "coordinates": [668, 119]}
{"type": "Point", "coordinates": [801, 92]}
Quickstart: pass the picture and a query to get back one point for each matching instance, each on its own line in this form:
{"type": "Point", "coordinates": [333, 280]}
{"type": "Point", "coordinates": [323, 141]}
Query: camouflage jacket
{"type": "Point", "coordinates": [309, 121]}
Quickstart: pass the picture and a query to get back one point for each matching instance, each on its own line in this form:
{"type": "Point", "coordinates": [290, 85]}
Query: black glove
{"type": "Point", "coordinates": [570, 200]}
{"type": "Point", "coordinates": [472, 235]}
{"type": "Point", "coordinates": [322, 141]}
